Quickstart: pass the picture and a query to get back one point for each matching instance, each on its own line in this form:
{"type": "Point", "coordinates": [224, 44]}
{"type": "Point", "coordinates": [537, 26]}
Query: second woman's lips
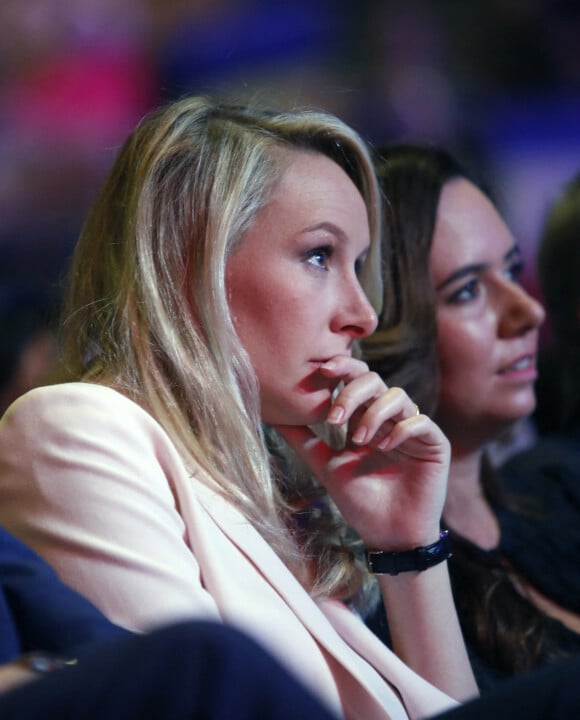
{"type": "Point", "coordinates": [522, 363]}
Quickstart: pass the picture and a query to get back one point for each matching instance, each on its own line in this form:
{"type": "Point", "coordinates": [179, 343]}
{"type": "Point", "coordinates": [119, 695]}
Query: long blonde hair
{"type": "Point", "coordinates": [147, 310]}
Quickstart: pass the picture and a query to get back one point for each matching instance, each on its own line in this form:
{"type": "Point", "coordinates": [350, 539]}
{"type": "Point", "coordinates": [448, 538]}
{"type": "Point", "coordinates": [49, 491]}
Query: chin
{"type": "Point", "coordinates": [517, 406]}
{"type": "Point", "coordinates": [524, 408]}
{"type": "Point", "coordinates": [315, 417]}
{"type": "Point", "coordinates": [297, 406]}
{"type": "Point", "coordinates": [506, 425]}
{"type": "Point", "coordinates": [293, 415]}
{"type": "Point", "coordinates": [319, 413]}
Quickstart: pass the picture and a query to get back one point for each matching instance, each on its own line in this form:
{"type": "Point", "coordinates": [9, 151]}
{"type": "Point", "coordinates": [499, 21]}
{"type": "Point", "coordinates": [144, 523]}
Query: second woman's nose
{"type": "Point", "coordinates": [521, 312]}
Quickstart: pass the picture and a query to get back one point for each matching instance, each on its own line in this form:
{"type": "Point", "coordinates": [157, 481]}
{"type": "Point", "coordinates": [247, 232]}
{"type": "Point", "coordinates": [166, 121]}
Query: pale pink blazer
{"type": "Point", "coordinates": [94, 484]}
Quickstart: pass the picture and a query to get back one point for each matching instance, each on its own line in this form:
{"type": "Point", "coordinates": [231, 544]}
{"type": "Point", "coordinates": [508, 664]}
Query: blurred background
{"type": "Point", "coordinates": [496, 81]}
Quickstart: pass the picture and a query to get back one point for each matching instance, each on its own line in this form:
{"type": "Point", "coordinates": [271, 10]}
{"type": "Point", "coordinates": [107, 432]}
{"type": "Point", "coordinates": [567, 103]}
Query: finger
{"type": "Point", "coordinates": [360, 393]}
{"type": "Point", "coordinates": [383, 415]}
{"type": "Point", "coordinates": [344, 367]}
{"type": "Point", "coordinates": [419, 437]}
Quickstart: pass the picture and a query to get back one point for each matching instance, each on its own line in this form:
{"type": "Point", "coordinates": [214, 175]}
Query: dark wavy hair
{"type": "Point", "coordinates": [403, 349]}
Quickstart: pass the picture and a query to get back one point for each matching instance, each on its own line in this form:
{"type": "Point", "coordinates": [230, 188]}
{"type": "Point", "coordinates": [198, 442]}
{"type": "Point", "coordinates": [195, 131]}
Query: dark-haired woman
{"type": "Point", "coordinates": [460, 334]}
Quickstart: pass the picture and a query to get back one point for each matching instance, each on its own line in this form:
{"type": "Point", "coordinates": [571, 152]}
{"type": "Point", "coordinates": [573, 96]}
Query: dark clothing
{"type": "Point", "coordinates": [39, 612]}
{"type": "Point", "coordinates": [552, 693]}
{"type": "Point", "coordinates": [543, 540]}
{"type": "Point", "coordinates": [205, 671]}
{"type": "Point", "coordinates": [477, 573]}
{"type": "Point", "coordinates": [193, 670]}
{"type": "Point", "coordinates": [189, 671]}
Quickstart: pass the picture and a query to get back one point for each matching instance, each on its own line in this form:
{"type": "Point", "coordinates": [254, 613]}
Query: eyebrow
{"type": "Point", "coordinates": [475, 268]}
{"type": "Point", "coordinates": [328, 227]}
{"type": "Point", "coordinates": [338, 233]}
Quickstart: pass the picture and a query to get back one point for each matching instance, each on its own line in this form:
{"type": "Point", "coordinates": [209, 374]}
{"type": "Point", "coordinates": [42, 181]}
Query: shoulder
{"type": "Point", "coordinates": [67, 399]}
{"type": "Point", "coordinates": [83, 411]}
{"type": "Point", "coordinates": [544, 482]}
{"type": "Point", "coordinates": [60, 437]}
{"type": "Point", "coordinates": [551, 466]}
{"type": "Point", "coordinates": [540, 526]}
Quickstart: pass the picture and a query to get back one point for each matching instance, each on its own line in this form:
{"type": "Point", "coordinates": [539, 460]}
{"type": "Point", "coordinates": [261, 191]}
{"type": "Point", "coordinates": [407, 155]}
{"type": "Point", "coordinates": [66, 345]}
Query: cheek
{"type": "Point", "coordinates": [252, 306]}
{"type": "Point", "coordinates": [463, 351]}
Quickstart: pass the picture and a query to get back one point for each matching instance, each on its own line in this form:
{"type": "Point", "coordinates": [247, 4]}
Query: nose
{"type": "Point", "coordinates": [521, 312]}
{"type": "Point", "coordinates": [355, 315]}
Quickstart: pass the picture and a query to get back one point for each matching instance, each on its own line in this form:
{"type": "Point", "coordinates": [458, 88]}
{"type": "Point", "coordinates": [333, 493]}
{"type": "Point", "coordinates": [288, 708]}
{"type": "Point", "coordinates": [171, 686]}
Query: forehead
{"type": "Point", "coordinates": [468, 229]}
{"type": "Point", "coordinates": [312, 191]}
{"type": "Point", "coordinates": [311, 177]}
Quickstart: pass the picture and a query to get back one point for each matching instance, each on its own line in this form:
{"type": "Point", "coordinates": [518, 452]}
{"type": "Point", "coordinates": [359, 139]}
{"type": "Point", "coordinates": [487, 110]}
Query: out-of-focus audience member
{"type": "Point", "coordinates": [558, 269]}
{"type": "Point", "coordinates": [28, 340]}
{"type": "Point", "coordinates": [39, 614]}
{"type": "Point", "coordinates": [460, 334]}
{"type": "Point", "coordinates": [548, 473]}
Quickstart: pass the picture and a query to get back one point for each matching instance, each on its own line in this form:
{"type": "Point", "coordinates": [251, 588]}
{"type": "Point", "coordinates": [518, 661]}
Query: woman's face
{"type": "Point", "coordinates": [487, 323]}
{"type": "Point", "coordinates": [294, 290]}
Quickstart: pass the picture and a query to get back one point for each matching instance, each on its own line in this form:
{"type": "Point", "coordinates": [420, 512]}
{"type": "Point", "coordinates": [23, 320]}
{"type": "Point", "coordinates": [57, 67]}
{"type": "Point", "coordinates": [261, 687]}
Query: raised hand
{"type": "Point", "coordinates": [389, 480]}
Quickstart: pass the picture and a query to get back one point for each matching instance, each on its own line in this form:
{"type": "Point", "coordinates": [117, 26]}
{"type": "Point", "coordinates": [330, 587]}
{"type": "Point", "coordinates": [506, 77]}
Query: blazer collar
{"type": "Point", "coordinates": [312, 614]}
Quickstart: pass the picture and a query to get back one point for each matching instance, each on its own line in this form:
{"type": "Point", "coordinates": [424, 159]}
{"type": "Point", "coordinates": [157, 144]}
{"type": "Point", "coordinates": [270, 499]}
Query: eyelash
{"type": "Point", "coordinates": [469, 287]}
{"type": "Point", "coordinates": [324, 252]}
{"type": "Point", "coordinates": [513, 272]}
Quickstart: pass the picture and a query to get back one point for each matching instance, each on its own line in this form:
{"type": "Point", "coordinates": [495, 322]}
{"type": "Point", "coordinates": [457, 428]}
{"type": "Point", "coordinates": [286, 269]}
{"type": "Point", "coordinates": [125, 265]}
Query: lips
{"type": "Point", "coordinates": [317, 362]}
{"type": "Point", "coordinates": [523, 363]}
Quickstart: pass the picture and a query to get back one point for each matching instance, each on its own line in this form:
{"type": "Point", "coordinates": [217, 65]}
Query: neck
{"type": "Point", "coordinates": [466, 509]}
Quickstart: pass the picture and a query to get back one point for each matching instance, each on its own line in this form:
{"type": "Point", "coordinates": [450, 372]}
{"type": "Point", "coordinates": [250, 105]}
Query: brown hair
{"type": "Point", "coordinates": [500, 624]}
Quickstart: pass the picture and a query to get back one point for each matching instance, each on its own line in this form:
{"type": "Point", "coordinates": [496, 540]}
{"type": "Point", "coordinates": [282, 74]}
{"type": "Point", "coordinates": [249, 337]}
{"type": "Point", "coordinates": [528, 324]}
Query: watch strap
{"type": "Point", "coordinates": [383, 562]}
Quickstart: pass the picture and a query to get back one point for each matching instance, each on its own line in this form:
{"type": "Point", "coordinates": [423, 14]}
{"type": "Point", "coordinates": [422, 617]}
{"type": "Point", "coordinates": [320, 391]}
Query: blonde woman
{"type": "Point", "coordinates": [221, 283]}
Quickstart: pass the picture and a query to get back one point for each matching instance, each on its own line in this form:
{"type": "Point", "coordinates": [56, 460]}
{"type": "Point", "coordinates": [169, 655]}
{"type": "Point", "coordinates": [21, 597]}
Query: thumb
{"type": "Point", "coordinates": [307, 445]}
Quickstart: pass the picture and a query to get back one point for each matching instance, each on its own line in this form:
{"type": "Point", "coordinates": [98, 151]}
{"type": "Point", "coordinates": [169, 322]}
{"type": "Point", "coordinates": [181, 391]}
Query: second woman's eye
{"type": "Point", "coordinates": [466, 292]}
{"type": "Point", "coordinates": [319, 257]}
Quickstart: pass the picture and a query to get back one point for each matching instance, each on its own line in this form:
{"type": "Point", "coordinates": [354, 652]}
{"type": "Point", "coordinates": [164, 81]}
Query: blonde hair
{"type": "Point", "coordinates": [147, 310]}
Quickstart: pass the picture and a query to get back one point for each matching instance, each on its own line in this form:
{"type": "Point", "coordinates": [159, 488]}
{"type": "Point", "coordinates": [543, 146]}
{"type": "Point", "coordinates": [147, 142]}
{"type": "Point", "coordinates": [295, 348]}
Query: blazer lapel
{"type": "Point", "coordinates": [330, 627]}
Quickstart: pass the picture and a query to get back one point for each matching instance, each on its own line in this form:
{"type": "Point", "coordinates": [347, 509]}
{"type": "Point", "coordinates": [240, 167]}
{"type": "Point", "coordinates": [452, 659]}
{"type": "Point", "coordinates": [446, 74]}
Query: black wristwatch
{"type": "Point", "coordinates": [382, 562]}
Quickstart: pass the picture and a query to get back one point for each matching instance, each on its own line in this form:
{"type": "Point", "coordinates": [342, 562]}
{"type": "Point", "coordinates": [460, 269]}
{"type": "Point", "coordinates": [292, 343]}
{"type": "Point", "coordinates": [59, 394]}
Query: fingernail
{"type": "Point", "coordinates": [336, 414]}
{"type": "Point", "coordinates": [329, 365]}
{"type": "Point", "coordinates": [360, 435]}
{"type": "Point", "coordinates": [384, 444]}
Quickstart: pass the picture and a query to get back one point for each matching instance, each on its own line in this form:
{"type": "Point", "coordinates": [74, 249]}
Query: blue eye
{"type": "Point", "coordinates": [319, 257]}
{"type": "Point", "coordinates": [466, 292]}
